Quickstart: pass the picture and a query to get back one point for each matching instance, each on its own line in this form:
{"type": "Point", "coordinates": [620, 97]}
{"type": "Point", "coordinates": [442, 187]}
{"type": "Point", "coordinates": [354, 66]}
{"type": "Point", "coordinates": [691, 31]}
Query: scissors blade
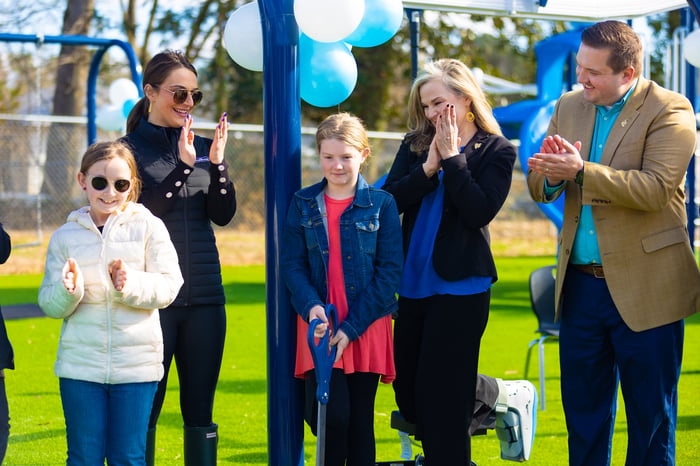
{"type": "Point", "coordinates": [321, 435]}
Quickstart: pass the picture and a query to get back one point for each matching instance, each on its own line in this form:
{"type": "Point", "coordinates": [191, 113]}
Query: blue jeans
{"type": "Point", "coordinates": [597, 352]}
{"type": "Point", "coordinates": [106, 421]}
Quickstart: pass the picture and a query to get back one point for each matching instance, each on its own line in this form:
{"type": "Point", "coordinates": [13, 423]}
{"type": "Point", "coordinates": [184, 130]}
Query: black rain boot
{"type": "Point", "coordinates": [151, 447]}
{"type": "Point", "coordinates": [200, 445]}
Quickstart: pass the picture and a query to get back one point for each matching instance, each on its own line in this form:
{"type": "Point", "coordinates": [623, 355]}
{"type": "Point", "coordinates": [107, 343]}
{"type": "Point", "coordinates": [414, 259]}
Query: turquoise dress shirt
{"type": "Point", "coordinates": [585, 249]}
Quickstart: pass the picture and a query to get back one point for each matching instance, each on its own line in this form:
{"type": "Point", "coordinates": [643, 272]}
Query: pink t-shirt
{"type": "Point", "coordinates": [373, 351]}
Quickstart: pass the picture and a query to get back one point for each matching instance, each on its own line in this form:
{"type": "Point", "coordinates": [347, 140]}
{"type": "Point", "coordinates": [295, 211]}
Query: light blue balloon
{"type": "Point", "coordinates": [327, 72]}
{"type": "Point", "coordinates": [127, 106]}
{"type": "Point", "coordinates": [382, 19]}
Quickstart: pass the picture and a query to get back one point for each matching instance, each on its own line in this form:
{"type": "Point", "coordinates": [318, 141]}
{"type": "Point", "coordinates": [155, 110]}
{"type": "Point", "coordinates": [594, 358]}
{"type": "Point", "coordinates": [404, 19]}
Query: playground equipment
{"type": "Point", "coordinates": [527, 120]}
{"type": "Point", "coordinates": [103, 45]}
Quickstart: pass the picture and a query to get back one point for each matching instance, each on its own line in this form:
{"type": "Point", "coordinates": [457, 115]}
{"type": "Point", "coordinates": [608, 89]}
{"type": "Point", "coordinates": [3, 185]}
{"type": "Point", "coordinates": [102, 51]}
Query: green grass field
{"type": "Point", "coordinates": [38, 437]}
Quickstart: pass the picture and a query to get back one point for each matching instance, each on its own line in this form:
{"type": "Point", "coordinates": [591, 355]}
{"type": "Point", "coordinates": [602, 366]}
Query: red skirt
{"type": "Point", "coordinates": [372, 352]}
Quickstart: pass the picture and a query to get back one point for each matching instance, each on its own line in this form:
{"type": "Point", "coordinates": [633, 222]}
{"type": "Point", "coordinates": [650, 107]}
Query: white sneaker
{"type": "Point", "coordinates": [516, 428]}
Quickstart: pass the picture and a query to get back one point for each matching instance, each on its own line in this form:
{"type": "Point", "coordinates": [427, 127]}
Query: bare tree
{"type": "Point", "coordinates": [68, 141]}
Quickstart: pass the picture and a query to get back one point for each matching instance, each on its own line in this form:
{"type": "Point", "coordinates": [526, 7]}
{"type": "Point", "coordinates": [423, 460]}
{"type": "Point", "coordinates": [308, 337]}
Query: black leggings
{"type": "Point", "coordinates": [349, 417]}
{"type": "Point", "coordinates": [436, 349]}
{"type": "Point", "coordinates": [195, 336]}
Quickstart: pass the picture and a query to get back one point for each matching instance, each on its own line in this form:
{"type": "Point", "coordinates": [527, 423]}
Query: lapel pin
{"type": "Point", "coordinates": [477, 145]}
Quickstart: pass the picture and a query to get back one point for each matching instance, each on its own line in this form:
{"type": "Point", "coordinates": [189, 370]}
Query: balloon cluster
{"type": "Point", "coordinates": [329, 30]}
{"type": "Point", "coordinates": [123, 95]}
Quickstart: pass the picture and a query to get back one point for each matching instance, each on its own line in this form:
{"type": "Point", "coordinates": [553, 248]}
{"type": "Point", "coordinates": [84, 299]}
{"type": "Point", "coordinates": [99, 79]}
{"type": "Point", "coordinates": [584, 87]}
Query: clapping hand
{"type": "Point", "coordinates": [70, 275]}
{"type": "Point", "coordinates": [216, 153]}
{"type": "Point", "coordinates": [185, 143]}
{"type": "Point", "coordinates": [117, 273]}
{"type": "Point", "coordinates": [558, 159]}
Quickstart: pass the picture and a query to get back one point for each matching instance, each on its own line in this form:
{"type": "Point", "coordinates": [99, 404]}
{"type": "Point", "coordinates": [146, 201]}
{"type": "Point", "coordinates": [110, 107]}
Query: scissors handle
{"type": "Point", "coordinates": [323, 354]}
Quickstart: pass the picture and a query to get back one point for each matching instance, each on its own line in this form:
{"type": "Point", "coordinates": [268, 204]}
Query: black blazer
{"type": "Point", "coordinates": [476, 182]}
{"type": "Point", "coordinates": [7, 356]}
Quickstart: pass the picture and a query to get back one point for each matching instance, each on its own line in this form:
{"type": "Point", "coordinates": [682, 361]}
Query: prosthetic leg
{"type": "Point", "coordinates": [516, 418]}
{"type": "Point", "coordinates": [515, 413]}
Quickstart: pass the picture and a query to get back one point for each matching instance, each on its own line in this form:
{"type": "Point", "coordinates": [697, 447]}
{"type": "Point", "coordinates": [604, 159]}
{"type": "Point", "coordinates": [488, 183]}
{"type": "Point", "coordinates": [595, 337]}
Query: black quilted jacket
{"type": "Point", "coordinates": [188, 200]}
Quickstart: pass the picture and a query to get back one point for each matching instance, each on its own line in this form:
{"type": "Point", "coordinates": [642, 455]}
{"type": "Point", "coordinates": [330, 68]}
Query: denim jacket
{"type": "Point", "coordinates": [372, 254]}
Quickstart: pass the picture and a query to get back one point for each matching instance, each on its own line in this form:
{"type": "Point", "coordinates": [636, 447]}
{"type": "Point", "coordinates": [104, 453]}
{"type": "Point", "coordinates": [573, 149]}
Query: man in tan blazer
{"type": "Point", "coordinates": [626, 275]}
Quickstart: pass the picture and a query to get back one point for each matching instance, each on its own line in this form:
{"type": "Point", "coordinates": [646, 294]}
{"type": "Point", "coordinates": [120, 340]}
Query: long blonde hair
{"type": "Point", "coordinates": [457, 77]}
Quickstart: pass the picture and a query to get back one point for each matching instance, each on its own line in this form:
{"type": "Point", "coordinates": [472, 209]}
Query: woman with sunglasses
{"type": "Point", "coordinates": [108, 270]}
{"type": "Point", "coordinates": [186, 183]}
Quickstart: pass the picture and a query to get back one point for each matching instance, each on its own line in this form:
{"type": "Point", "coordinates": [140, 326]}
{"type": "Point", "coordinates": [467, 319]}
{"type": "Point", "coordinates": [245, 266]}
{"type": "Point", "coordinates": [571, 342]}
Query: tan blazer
{"type": "Point", "coordinates": [638, 203]}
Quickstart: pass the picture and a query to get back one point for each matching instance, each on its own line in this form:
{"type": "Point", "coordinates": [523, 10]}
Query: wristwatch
{"type": "Point", "coordinates": [579, 178]}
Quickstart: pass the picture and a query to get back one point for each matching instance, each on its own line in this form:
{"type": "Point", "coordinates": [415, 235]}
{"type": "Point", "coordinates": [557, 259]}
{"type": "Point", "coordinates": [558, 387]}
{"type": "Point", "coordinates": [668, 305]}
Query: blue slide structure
{"type": "Point", "coordinates": [527, 120]}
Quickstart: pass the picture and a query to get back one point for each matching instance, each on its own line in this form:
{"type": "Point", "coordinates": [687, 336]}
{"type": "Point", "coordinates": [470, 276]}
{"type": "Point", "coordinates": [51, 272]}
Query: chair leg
{"type": "Point", "coordinates": [541, 351]}
{"type": "Point", "coordinates": [527, 358]}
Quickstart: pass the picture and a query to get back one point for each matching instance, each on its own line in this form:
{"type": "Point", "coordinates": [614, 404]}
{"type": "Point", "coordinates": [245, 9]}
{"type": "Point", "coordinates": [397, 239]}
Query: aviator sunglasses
{"type": "Point", "coordinates": [180, 95]}
{"type": "Point", "coordinates": [100, 183]}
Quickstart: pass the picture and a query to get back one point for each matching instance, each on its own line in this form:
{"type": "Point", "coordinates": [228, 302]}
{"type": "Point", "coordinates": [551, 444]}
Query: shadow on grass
{"type": "Point", "coordinates": [258, 456]}
{"type": "Point", "coordinates": [19, 295]}
{"type": "Point", "coordinates": [248, 458]}
{"type": "Point", "coordinates": [40, 394]}
{"type": "Point", "coordinates": [244, 293]}
{"type": "Point", "coordinates": [34, 436]}
{"type": "Point", "coordinates": [246, 387]}
{"type": "Point", "coordinates": [688, 423]}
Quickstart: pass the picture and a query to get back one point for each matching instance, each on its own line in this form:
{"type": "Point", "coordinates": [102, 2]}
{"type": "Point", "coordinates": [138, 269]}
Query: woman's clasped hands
{"type": "Point", "coordinates": [446, 142]}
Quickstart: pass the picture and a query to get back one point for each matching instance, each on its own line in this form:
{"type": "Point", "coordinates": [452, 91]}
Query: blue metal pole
{"type": "Point", "coordinates": [91, 91]}
{"type": "Point", "coordinates": [282, 121]}
{"type": "Point", "coordinates": [414, 19]}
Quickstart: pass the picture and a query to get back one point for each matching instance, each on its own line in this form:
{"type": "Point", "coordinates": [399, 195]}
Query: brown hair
{"type": "Point", "coordinates": [110, 150]}
{"type": "Point", "coordinates": [459, 80]}
{"type": "Point", "coordinates": [623, 43]}
{"type": "Point", "coordinates": [344, 127]}
{"type": "Point", "coordinates": [157, 71]}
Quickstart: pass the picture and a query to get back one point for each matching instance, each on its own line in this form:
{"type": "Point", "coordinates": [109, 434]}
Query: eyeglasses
{"type": "Point", "coordinates": [180, 95]}
{"type": "Point", "coordinates": [100, 183]}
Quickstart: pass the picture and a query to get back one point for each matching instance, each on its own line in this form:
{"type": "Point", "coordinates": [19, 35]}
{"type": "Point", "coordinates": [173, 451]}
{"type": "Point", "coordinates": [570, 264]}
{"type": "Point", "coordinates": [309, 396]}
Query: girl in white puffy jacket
{"type": "Point", "coordinates": [108, 270]}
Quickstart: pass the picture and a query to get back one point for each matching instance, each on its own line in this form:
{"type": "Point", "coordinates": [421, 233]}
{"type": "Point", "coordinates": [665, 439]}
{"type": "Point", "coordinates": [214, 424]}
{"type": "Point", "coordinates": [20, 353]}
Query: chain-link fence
{"type": "Point", "coordinates": [40, 156]}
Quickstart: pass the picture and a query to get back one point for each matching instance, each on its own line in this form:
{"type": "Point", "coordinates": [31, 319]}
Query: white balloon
{"type": "Point", "coordinates": [110, 118]}
{"type": "Point", "coordinates": [328, 20]}
{"type": "Point", "coordinates": [243, 37]}
{"type": "Point", "coordinates": [478, 75]}
{"type": "Point", "coordinates": [691, 48]}
{"type": "Point", "coordinates": [121, 90]}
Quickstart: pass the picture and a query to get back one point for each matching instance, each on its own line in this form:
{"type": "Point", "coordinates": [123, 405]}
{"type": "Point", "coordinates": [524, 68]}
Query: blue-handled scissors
{"type": "Point", "coordinates": [323, 355]}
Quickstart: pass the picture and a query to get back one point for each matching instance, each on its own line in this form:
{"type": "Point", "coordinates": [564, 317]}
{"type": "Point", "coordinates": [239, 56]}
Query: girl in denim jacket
{"type": "Point", "coordinates": [342, 245]}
